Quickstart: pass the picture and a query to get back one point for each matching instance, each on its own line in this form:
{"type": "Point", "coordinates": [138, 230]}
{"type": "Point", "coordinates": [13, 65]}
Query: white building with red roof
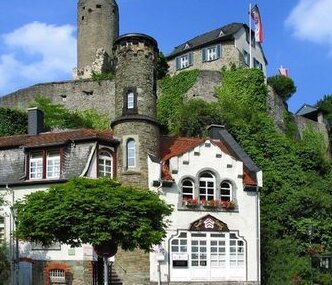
{"type": "Point", "coordinates": [214, 232]}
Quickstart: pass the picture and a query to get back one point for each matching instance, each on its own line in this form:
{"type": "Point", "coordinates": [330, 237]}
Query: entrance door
{"type": "Point", "coordinates": [25, 273]}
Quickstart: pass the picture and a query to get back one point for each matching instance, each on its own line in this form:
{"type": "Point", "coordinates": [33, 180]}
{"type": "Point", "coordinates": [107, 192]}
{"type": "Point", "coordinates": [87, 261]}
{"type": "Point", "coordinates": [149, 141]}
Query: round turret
{"type": "Point", "coordinates": [135, 124]}
{"type": "Point", "coordinates": [98, 27]}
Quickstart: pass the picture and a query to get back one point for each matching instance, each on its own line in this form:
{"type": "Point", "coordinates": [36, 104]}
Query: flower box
{"type": "Point", "coordinates": [191, 203]}
{"type": "Point", "coordinates": [211, 204]}
{"type": "Point", "coordinates": [228, 205]}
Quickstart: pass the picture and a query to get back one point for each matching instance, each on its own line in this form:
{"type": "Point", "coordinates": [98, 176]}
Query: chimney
{"type": "Point", "coordinates": [213, 131]}
{"type": "Point", "coordinates": [35, 121]}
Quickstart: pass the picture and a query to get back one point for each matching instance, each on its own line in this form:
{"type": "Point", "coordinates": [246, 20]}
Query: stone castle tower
{"type": "Point", "coordinates": [98, 28]}
{"type": "Point", "coordinates": [135, 106]}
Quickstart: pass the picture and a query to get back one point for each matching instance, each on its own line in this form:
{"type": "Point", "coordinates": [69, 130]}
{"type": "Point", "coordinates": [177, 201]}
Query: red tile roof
{"type": "Point", "coordinates": [176, 146]}
{"type": "Point", "coordinates": [53, 138]}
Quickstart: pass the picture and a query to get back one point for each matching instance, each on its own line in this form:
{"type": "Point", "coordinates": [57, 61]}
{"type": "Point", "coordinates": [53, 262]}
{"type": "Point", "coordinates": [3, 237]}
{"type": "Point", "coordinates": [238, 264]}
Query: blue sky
{"type": "Point", "coordinates": [38, 38]}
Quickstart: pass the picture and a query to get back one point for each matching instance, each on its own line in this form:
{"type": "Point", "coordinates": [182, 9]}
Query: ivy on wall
{"type": "Point", "coordinates": [170, 102]}
{"type": "Point", "coordinates": [12, 122]}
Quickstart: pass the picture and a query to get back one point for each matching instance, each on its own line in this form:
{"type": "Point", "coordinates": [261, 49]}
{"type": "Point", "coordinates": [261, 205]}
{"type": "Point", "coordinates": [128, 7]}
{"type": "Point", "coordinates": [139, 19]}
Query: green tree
{"type": "Point", "coordinates": [12, 122]}
{"type": "Point", "coordinates": [284, 86]}
{"type": "Point", "coordinates": [95, 211]}
{"type": "Point", "coordinates": [162, 66]}
{"type": "Point", "coordinates": [194, 116]}
{"type": "Point", "coordinates": [4, 265]}
{"type": "Point", "coordinates": [326, 105]}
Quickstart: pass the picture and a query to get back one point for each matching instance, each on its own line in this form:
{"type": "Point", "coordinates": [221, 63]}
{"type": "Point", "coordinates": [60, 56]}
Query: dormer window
{"type": "Point", "coordinates": [36, 165]}
{"type": "Point", "coordinates": [53, 164]}
{"type": "Point", "coordinates": [44, 164]}
{"type": "Point", "coordinates": [105, 164]}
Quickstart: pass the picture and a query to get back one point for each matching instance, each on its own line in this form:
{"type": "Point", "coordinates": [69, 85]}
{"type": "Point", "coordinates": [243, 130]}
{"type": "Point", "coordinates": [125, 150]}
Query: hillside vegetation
{"type": "Point", "coordinates": [296, 200]}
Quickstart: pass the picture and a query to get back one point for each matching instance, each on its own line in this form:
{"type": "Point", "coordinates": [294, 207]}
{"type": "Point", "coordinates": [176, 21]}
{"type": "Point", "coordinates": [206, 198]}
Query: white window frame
{"type": "Point", "coordinates": [184, 61]}
{"type": "Point", "coordinates": [53, 165]}
{"type": "Point", "coordinates": [226, 186]}
{"type": "Point", "coordinates": [131, 153]}
{"type": "Point", "coordinates": [209, 250]}
{"type": "Point", "coordinates": [188, 188]}
{"type": "Point", "coordinates": [211, 53]}
{"type": "Point", "coordinates": [206, 184]}
{"type": "Point", "coordinates": [130, 100]}
{"type": "Point", "coordinates": [57, 275]}
{"type": "Point", "coordinates": [36, 166]}
{"type": "Point", "coordinates": [105, 164]}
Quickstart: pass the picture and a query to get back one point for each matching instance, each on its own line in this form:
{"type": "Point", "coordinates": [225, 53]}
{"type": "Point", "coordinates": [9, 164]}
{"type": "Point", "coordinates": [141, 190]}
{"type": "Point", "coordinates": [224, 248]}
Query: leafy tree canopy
{"type": "Point", "coordinates": [283, 85]}
{"type": "Point", "coordinates": [4, 265]}
{"type": "Point", "coordinates": [162, 66]}
{"type": "Point", "coordinates": [95, 211]}
{"type": "Point", "coordinates": [326, 105]}
{"type": "Point", "coordinates": [12, 122]}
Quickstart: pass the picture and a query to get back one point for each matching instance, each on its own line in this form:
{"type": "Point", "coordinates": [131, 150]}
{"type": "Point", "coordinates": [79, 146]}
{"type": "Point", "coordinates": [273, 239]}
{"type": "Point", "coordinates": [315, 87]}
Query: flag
{"type": "Point", "coordinates": [255, 15]}
{"type": "Point", "coordinates": [283, 71]}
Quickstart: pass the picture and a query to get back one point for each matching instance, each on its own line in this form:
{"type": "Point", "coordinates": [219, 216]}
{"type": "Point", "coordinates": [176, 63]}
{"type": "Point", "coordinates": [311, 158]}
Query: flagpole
{"type": "Point", "coordinates": [250, 38]}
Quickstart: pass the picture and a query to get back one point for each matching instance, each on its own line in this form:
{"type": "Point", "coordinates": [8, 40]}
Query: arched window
{"type": "Point", "coordinates": [105, 164]}
{"type": "Point", "coordinates": [130, 100]}
{"type": "Point", "coordinates": [187, 189]}
{"type": "Point", "coordinates": [206, 186]}
{"type": "Point", "coordinates": [131, 153]}
{"type": "Point", "coordinates": [225, 191]}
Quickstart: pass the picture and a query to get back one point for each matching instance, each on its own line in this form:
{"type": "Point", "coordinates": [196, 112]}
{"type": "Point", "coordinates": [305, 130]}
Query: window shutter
{"type": "Point", "coordinates": [190, 58]}
{"type": "Point", "coordinates": [204, 51]}
{"type": "Point", "coordinates": [177, 62]}
{"type": "Point", "coordinates": [218, 51]}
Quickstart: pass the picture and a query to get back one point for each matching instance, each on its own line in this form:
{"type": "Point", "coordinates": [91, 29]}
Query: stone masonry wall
{"type": "Point", "coordinates": [133, 268]}
{"type": "Point", "coordinates": [276, 109]}
{"type": "Point", "coordinates": [146, 137]}
{"type": "Point", "coordinates": [75, 95]}
{"type": "Point", "coordinates": [229, 55]}
{"type": "Point", "coordinates": [76, 272]}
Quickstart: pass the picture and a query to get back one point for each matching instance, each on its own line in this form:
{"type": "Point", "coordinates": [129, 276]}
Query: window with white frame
{"type": "Point", "coordinates": [131, 153]}
{"type": "Point", "coordinates": [57, 276]}
{"type": "Point", "coordinates": [206, 186]}
{"type": "Point", "coordinates": [130, 100]}
{"type": "Point", "coordinates": [184, 61]}
{"type": "Point", "coordinates": [257, 64]}
{"type": "Point", "coordinates": [105, 164]}
{"type": "Point", "coordinates": [36, 165]}
{"type": "Point", "coordinates": [226, 191]}
{"type": "Point", "coordinates": [187, 189]}
{"type": "Point", "coordinates": [53, 164]}
{"type": "Point", "coordinates": [44, 164]}
{"type": "Point", "coordinates": [208, 251]}
{"type": "Point", "coordinates": [211, 53]}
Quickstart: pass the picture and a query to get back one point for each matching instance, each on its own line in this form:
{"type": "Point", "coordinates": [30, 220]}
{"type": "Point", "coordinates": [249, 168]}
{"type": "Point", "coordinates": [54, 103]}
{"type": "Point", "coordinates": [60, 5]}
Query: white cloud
{"type": "Point", "coordinates": [37, 52]}
{"type": "Point", "coordinates": [312, 20]}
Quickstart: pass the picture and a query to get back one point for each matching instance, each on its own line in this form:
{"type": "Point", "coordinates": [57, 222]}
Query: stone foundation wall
{"type": "Point", "coordinates": [133, 267]}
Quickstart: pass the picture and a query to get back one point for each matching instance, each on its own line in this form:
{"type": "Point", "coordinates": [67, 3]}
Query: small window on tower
{"type": "Point", "coordinates": [82, 17]}
{"type": "Point", "coordinates": [98, 6]}
{"type": "Point", "coordinates": [83, 8]}
{"type": "Point", "coordinates": [130, 100]}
